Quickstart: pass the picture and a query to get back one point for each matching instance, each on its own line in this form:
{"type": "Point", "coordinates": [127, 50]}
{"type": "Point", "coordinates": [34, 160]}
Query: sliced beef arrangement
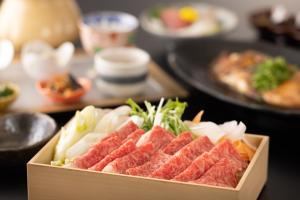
{"type": "Point", "coordinates": [183, 158]}
{"type": "Point", "coordinates": [101, 149]}
{"type": "Point", "coordinates": [159, 154]}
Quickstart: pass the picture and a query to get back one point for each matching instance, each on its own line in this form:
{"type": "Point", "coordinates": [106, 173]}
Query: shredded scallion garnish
{"type": "Point", "coordinates": [166, 115]}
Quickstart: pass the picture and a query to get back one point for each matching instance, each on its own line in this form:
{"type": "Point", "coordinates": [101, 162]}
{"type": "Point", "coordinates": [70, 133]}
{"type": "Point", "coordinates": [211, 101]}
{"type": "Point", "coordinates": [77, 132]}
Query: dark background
{"type": "Point", "coordinates": [284, 164]}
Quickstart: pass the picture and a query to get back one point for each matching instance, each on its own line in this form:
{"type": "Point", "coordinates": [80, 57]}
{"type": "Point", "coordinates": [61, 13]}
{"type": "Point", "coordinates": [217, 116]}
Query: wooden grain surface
{"type": "Point", "coordinates": [159, 84]}
{"type": "Point", "coordinates": [79, 184]}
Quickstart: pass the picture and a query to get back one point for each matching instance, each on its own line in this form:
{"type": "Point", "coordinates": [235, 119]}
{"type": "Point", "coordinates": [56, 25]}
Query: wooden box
{"type": "Point", "coordinates": [46, 182]}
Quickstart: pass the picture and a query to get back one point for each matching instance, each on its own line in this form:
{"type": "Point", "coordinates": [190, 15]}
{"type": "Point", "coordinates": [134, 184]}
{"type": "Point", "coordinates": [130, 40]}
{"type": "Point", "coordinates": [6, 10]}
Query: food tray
{"type": "Point", "coordinates": [158, 85]}
{"type": "Point", "coordinates": [46, 182]}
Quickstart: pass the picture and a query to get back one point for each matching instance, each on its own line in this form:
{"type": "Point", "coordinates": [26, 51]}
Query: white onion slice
{"type": "Point", "coordinates": [209, 129]}
{"type": "Point", "coordinates": [234, 130]}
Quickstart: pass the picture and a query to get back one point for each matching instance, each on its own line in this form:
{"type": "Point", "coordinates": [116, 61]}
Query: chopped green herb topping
{"type": "Point", "coordinates": [271, 73]}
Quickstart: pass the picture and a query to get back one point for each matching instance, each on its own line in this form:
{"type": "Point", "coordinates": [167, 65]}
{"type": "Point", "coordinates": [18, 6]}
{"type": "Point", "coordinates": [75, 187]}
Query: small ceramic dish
{"type": "Point", "coordinates": [188, 20]}
{"type": "Point", "coordinates": [70, 96]}
{"type": "Point", "coordinates": [272, 23]}
{"type": "Point", "coordinates": [10, 94]}
{"type": "Point", "coordinates": [22, 135]}
{"type": "Point", "coordinates": [277, 25]}
{"type": "Point", "coordinates": [122, 71]}
{"type": "Point", "coordinates": [107, 29]}
{"type": "Point", "coordinates": [41, 61]}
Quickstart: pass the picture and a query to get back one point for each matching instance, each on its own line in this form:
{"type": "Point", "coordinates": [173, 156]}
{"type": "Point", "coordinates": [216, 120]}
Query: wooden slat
{"type": "Point", "coordinates": [46, 182]}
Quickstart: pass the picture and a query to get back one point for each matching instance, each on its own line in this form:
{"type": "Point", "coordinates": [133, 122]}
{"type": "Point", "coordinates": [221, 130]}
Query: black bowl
{"type": "Point", "coordinates": [22, 135]}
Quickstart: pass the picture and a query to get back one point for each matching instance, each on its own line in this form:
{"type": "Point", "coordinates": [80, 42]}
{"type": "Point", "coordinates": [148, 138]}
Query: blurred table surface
{"type": "Point", "coordinates": [284, 174]}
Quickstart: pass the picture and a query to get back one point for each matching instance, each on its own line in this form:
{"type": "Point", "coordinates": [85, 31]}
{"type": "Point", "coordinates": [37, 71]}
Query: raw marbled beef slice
{"type": "Point", "coordinates": [178, 142]}
{"type": "Point", "coordinates": [198, 167]}
{"type": "Point", "coordinates": [172, 167]}
{"type": "Point", "coordinates": [201, 164]}
{"type": "Point", "coordinates": [138, 157]}
{"type": "Point", "coordinates": [136, 135]}
{"type": "Point", "coordinates": [196, 148]}
{"type": "Point", "coordinates": [183, 158]}
{"type": "Point", "coordinates": [123, 150]}
{"type": "Point", "coordinates": [158, 136]}
{"type": "Point", "coordinates": [223, 173]}
{"type": "Point", "coordinates": [227, 150]}
{"type": "Point", "coordinates": [158, 159]}
{"type": "Point", "coordinates": [127, 147]}
{"type": "Point", "coordinates": [97, 152]}
{"type": "Point", "coordinates": [124, 131]}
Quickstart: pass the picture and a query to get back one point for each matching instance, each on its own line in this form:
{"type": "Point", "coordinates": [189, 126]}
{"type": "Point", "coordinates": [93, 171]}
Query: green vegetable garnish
{"type": "Point", "coordinates": [271, 73]}
{"type": "Point", "coordinates": [5, 91]}
{"type": "Point", "coordinates": [97, 49]}
{"type": "Point", "coordinates": [155, 12]}
{"type": "Point", "coordinates": [167, 116]}
{"type": "Point", "coordinates": [145, 115]}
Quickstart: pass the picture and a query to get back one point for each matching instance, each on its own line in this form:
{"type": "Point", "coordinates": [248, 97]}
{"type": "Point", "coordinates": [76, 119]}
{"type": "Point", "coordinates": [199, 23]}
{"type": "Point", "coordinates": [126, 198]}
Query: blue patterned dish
{"type": "Point", "coordinates": [107, 29]}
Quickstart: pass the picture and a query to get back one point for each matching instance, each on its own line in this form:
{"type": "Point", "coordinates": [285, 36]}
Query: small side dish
{"type": "Point", "coordinates": [64, 88]}
{"type": "Point", "coordinates": [155, 143]}
{"type": "Point", "coordinates": [277, 24]}
{"type": "Point", "coordinates": [105, 29]}
{"type": "Point", "coordinates": [8, 94]}
{"type": "Point", "coordinates": [41, 61]}
{"type": "Point", "coordinates": [261, 77]}
{"type": "Point", "coordinates": [187, 20]}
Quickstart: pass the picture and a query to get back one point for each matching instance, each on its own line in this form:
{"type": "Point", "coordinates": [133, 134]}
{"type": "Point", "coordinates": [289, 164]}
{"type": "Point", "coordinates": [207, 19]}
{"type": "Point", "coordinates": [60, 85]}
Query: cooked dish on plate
{"type": "Point", "coordinates": [155, 143]}
{"type": "Point", "coordinates": [261, 77]}
{"type": "Point", "coordinates": [187, 20]}
{"type": "Point", "coordinates": [175, 18]}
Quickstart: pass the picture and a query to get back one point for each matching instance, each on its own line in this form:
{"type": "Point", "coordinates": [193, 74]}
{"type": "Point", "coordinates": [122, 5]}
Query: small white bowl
{"type": "Point", "coordinates": [122, 71]}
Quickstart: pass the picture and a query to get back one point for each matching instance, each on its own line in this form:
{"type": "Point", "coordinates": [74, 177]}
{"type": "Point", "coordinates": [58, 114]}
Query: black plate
{"type": "Point", "coordinates": [192, 60]}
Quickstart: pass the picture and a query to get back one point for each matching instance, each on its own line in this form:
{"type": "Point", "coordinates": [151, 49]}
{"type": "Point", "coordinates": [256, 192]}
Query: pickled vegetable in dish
{"type": "Point", "coordinates": [64, 84]}
{"type": "Point", "coordinates": [9, 92]}
{"type": "Point", "coordinates": [269, 79]}
{"type": "Point", "coordinates": [5, 91]}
